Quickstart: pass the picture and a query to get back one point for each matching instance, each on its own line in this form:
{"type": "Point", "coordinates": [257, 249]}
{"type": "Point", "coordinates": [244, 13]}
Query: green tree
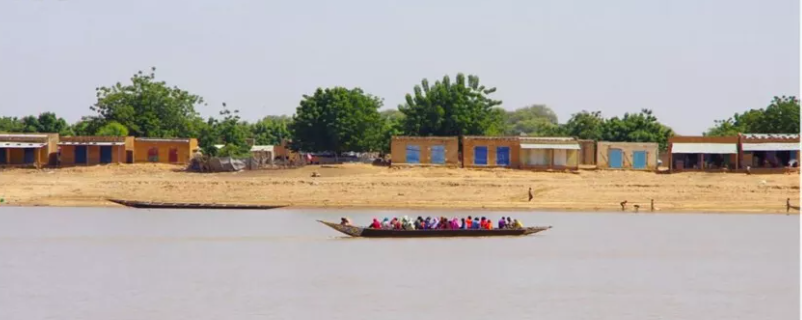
{"type": "Point", "coordinates": [11, 124]}
{"type": "Point", "coordinates": [585, 125]}
{"type": "Point", "coordinates": [87, 126]}
{"type": "Point", "coordinates": [50, 123]}
{"type": "Point", "coordinates": [781, 116]}
{"type": "Point", "coordinates": [392, 120]}
{"type": "Point", "coordinates": [46, 122]}
{"type": "Point", "coordinates": [638, 127]}
{"type": "Point", "coordinates": [233, 133]}
{"type": "Point", "coordinates": [534, 120]}
{"type": "Point", "coordinates": [451, 109]}
{"type": "Point", "coordinates": [337, 119]}
{"type": "Point", "coordinates": [112, 129]}
{"type": "Point", "coordinates": [271, 130]}
{"type": "Point", "coordinates": [149, 108]}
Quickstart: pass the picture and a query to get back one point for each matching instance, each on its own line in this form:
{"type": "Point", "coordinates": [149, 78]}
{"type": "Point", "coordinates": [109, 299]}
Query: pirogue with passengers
{"type": "Point", "coordinates": [367, 232]}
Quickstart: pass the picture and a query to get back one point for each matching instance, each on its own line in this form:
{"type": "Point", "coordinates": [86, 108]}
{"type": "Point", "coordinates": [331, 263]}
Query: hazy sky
{"type": "Point", "coordinates": [691, 61]}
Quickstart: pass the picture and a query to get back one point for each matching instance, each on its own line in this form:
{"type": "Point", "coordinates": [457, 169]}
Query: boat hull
{"type": "Point", "coordinates": [176, 205]}
{"type": "Point", "coordinates": [383, 233]}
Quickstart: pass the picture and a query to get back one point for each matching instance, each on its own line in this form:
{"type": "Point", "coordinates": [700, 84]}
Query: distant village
{"type": "Point", "coordinates": [740, 153]}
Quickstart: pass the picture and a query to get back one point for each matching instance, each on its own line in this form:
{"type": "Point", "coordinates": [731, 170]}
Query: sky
{"type": "Point", "coordinates": [690, 61]}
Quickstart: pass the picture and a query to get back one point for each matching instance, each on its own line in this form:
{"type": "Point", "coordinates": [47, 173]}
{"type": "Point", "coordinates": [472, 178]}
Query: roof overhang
{"type": "Point", "coordinates": [21, 145]}
{"type": "Point", "coordinates": [88, 143]}
{"type": "Point", "coordinates": [261, 148]}
{"type": "Point", "coordinates": [561, 146]}
{"type": "Point", "coordinates": [711, 148]}
{"type": "Point", "coordinates": [771, 146]}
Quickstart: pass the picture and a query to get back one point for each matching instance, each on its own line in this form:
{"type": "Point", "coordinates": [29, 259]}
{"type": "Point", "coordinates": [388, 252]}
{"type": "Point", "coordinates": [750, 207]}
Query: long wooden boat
{"type": "Point", "coordinates": [181, 205]}
{"type": "Point", "coordinates": [355, 231]}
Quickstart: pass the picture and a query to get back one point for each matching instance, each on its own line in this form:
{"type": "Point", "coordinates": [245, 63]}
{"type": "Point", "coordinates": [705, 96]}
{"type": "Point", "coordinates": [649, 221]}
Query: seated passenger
{"type": "Point", "coordinates": [469, 223]}
{"type": "Point", "coordinates": [376, 224]}
{"type": "Point", "coordinates": [462, 224]}
{"type": "Point", "coordinates": [489, 224]}
{"type": "Point", "coordinates": [482, 223]}
{"type": "Point", "coordinates": [502, 223]}
{"type": "Point", "coordinates": [517, 224]}
{"type": "Point", "coordinates": [386, 223]}
{"type": "Point", "coordinates": [475, 225]}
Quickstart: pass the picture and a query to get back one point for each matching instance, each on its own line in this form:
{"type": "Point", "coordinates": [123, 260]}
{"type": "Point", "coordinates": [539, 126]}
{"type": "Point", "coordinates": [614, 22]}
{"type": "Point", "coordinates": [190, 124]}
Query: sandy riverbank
{"type": "Point", "coordinates": [365, 186]}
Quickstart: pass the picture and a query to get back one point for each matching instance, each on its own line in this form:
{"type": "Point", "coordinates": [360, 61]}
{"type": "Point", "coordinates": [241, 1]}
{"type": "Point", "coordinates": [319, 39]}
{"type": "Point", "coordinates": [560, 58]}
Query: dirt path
{"type": "Point", "coordinates": [380, 187]}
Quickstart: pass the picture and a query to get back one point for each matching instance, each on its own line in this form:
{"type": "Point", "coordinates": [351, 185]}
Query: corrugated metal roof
{"type": "Point", "coordinates": [771, 146]}
{"type": "Point", "coordinates": [162, 139]}
{"type": "Point", "coordinates": [261, 148]}
{"type": "Point", "coordinates": [562, 146]}
{"type": "Point", "coordinates": [18, 135]}
{"type": "Point", "coordinates": [771, 136]}
{"type": "Point", "coordinates": [713, 148]}
{"type": "Point", "coordinates": [11, 144]}
{"type": "Point", "coordinates": [89, 143]}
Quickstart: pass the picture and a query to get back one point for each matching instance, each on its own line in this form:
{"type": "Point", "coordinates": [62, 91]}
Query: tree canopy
{"type": "Point", "coordinates": [46, 122]}
{"type": "Point", "coordinates": [112, 129]}
{"type": "Point", "coordinates": [338, 120]}
{"type": "Point", "coordinates": [452, 109]}
{"type": "Point", "coordinates": [149, 108]}
{"type": "Point", "coordinates": [781, 116]}
{"type": "Point", "coordinates": [534, 120]}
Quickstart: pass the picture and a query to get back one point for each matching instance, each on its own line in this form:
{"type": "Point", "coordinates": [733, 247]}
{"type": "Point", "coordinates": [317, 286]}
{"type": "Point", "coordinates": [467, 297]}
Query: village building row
{"type": "Point", "coordinates": [736, 153]}
{"type": "Point", "coordinates": [40, 150]}
{"type": "Point", "coordinates": [755, 152]}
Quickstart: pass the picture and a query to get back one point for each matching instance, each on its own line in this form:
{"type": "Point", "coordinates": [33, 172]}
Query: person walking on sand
{"type": "Point", "coordinates": [530, 194]}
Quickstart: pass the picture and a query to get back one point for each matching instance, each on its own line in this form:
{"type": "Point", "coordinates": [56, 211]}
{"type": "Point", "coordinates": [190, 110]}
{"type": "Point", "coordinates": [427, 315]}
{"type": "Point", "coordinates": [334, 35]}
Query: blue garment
{"type": "Point", "coordinates": [475, 224]}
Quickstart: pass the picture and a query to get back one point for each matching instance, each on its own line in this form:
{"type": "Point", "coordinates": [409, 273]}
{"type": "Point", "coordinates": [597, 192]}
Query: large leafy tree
{"type": "Point", "coordinates": [229, 131]}
{"type": "Point", "coordinates": [271, 130]}
{"type": "Point", "coordinates": [112, 129]}
{"type": "Point", "coordinates": [637, 127]}
{"type": "Point", "coordinates": [46, 122]}
{"type": "Point", "coordinates": [149, 108]}
{"type": "Point", "coordinates": [392, 120]}
{"type": "Point", "coordinates": [452, 109]}
{"type": "Point", "coordinates": [534, 120]}
{"type": "Point", "coordinates": [781, 116]}
{"type": "Point", "coordinates": [11, 124]}
{"type": "Point", "coordinates": [586, 125]}
{"type": "Point", "coordinates": [337, 119]}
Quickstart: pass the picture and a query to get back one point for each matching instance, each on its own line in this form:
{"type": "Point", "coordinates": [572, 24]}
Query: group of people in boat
{"type": "Point", "coordinates": [442, 223]}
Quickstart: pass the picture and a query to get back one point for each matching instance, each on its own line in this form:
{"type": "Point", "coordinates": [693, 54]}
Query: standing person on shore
{"type": "Point", "coordinates": [530, 194]}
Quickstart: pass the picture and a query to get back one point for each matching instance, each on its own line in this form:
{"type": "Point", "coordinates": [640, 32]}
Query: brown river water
{"type": "Point", "coordinates": [102, 264]}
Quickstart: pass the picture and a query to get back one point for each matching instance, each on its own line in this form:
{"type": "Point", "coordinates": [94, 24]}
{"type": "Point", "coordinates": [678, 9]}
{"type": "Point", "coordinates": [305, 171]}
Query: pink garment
{"type": "Point", "coordinates": [455, 223]}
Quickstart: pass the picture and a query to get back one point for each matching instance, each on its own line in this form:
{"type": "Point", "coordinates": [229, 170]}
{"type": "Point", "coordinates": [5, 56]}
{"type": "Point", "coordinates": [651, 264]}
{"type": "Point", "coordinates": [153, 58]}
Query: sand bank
{"type": "Point", "coordinates": [365, 186]}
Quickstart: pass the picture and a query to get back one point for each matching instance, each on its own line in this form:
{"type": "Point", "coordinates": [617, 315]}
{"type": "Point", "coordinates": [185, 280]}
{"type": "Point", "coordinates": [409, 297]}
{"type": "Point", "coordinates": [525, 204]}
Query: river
{"type": "Point", "coordinates": [100, 264]}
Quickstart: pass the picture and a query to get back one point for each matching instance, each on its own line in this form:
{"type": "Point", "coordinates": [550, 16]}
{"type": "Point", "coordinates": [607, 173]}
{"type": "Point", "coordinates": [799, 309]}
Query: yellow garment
{"type": "Point", "coordinates": [517, 224]}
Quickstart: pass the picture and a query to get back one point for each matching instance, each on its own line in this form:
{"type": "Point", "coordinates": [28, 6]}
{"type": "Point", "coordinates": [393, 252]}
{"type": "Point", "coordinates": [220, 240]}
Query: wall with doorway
{"type": "Point", "coordinates": [424, 150]}
{"type": "Point", "coordinates": [489, 152]}
{"type": "Point", "coordinates": [627, 155]}
{"type": "Point", "coordinates": [160, 150]}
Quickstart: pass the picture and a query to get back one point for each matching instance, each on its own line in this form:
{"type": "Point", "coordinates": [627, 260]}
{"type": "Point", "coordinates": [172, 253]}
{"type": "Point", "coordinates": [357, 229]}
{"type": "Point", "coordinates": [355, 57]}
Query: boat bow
{"type": "Point", "coordinates": [349, 230]}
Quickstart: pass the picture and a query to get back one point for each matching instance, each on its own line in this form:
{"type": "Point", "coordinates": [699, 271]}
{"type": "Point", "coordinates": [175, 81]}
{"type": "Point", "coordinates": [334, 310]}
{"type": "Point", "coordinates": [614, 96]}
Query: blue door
{"type": "Point", "coordinates": [438, 154]}
{"type": "Point", "coordinates": [105, 154]}
{"type": "Point", "coordinates": [413, 154]}
{"type": "Point", "coordinates": [615, 158]}
{"type": "Point", "coordinates": [503, 156]}
{"type": "Point", "coordinates": [80, 154]}
{"type": "Point", "coordinates": [639, 159]}
{"type": "Point", "coordinates": [30, 155]}
{"type": "Point", "coordinates": [480, 156]}
{"type": "Point", "coordinates": [3, 156]}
